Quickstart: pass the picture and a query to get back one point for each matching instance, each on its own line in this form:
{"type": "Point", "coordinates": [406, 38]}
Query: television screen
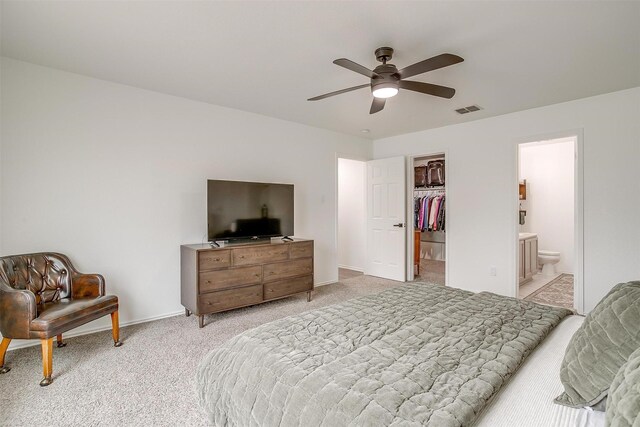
{"type": "Point", "coordinates": [246, 210]}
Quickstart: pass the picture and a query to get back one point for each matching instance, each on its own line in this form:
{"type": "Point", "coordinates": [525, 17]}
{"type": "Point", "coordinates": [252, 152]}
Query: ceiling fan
{"type": "Point", "coordinates": [387, 80]}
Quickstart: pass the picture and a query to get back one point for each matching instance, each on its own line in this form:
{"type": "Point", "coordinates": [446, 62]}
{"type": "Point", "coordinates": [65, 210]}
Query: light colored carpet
{"type": "Point", "coordinates": [431, 271]}
{"type": "Point", "coordinates": [150, 380]}
{"type": "Point", "coordinates": [345, 274]}
{"type": "Point", "coordinates": [558, 292]}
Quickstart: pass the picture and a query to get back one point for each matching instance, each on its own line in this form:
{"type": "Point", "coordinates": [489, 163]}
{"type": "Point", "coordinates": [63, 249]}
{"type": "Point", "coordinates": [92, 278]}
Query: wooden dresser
{"type": "Point", "coordinates": [238, 275]}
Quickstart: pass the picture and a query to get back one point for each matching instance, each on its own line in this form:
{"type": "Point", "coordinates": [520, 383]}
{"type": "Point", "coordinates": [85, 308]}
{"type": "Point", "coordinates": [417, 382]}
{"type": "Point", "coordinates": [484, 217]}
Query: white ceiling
{"type": "Point", "coordinates": [269, 57]}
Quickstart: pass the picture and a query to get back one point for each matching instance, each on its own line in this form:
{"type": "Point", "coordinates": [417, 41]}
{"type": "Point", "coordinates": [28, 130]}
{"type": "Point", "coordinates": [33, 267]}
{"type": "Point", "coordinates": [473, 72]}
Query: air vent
{"type": "Point", "coordinates": [469, 109]}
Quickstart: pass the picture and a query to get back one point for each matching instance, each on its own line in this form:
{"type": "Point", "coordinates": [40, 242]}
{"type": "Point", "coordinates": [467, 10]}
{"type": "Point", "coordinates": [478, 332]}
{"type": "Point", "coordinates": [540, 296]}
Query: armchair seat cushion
{"type": "Point", "coordinates": [60, 316]}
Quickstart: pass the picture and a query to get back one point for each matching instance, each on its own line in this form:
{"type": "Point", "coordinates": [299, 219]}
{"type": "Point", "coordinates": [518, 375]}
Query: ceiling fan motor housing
{"type": "Point", "coordinates": [385, 76]}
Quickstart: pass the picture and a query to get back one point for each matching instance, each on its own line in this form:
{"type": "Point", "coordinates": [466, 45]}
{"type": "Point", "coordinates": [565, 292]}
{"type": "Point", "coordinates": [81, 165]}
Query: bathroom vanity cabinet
{"type": "Point", "coordinates": [527, 257]}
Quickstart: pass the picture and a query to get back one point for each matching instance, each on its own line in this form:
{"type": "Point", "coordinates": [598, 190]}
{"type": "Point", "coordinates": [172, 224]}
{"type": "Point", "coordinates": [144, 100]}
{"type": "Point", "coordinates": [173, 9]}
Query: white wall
{"type": "Point", "coordinates": [352, 214]}
{"type": "Point", "coordinates": [481, 189]}
{"type": "Point", "coordinates": [549, 170]}
{"type": "Point", "coordinates": [115, 177]}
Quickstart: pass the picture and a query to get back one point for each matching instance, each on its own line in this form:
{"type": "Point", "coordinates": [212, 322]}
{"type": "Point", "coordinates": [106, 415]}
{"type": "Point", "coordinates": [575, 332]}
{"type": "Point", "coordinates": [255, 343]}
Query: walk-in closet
{"type": "Point", "coordinates": [429, 218]}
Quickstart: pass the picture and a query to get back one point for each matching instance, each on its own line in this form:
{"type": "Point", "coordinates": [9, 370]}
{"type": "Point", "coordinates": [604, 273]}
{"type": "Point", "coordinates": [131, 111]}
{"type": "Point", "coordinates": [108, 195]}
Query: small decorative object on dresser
{"type": "Point", "coordinates": [242, 274]}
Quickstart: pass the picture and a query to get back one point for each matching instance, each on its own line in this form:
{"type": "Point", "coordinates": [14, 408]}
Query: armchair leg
{"type": "Point", "coordinates": [47, 361]}
{"type": "Point", "coordinates": [3, 350]}
{"type": "Point", "coordinates": [115, 329]}
{"type": "Point", "coordinates": [59, 341]}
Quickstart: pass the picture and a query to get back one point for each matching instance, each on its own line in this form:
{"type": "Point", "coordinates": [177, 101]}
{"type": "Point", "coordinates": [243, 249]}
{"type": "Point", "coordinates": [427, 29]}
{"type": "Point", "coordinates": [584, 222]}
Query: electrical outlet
{"type": "Point", "coordinates": [493, 271]}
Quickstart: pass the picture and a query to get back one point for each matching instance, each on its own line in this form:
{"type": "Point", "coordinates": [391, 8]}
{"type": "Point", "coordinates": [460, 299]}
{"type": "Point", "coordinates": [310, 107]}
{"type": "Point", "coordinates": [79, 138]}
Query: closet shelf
{"type": "Point", "coordinates": [429, 189]}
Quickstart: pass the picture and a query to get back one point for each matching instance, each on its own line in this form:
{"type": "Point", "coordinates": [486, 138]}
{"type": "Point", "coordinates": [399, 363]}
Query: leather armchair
{"type": "Point", "coordinates": [42, 296]}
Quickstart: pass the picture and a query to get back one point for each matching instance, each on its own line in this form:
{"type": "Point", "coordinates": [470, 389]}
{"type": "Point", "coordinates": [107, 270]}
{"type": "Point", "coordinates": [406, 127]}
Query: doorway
{"type": "Point", "coordinates": [427, 234]}
{"type": "Point", "coordinates": [351, 226]}
{"type": "Point", "coordinates": [547, 250]}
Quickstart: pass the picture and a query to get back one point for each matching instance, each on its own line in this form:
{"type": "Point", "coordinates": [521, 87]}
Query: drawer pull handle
{"type": "Point", "coordinates": [208, 281]}
{"type": "Point", "coordinates": [217, 259]}
{"type": "Point", "coordinates": [242, 256]}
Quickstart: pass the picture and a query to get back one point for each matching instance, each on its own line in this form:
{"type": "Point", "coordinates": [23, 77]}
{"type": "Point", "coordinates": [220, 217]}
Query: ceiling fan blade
{"type": "Point", "coordinates": [430, 64]}
{"type": "Point", "coordinates": [428, 88]}
{"type": "Point", "coordinates": [377, 105]}
{"type": "Point", "coordinates": [350, 65]}
{"type": "Point", "coordinates": [338, 92]}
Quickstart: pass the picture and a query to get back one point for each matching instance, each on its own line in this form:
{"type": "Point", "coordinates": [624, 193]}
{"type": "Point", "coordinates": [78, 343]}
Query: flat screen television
{"type": "Point", "coordinates": [238, 210]}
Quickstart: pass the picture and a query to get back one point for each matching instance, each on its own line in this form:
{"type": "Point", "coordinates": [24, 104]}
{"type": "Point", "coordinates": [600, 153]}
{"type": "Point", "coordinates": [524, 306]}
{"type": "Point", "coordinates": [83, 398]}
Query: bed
{"type": "Point", "coordinates": [418, 354]}
{"type": "Point", "coordinates": [527, 398]}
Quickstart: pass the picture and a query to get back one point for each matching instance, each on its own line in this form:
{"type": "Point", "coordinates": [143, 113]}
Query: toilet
{"type": "Point", "coordinates": [548, 260]}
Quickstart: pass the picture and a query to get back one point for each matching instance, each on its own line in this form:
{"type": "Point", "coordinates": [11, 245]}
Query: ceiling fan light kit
{"type": "Point", "coordinates": [386, 80]}
{"type": "Point", "coordinates": [384, 90]}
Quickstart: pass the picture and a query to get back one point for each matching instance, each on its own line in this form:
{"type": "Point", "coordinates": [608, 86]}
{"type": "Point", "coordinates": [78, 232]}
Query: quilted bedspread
{"type": "Point", "coordinates": [418, 354]}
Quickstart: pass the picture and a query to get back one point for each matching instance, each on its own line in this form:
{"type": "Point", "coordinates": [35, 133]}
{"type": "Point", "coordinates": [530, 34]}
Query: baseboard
{"type": "Point", "coordinates": [326, 282]}
{"type": "Point", "coordinates": [358, 269]}
{"type": "Point", "coordinates": [30, 343]}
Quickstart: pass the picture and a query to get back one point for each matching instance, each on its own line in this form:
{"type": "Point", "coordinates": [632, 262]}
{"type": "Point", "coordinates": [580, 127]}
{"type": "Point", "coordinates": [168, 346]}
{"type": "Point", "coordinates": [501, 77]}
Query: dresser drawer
{"type": "Point", "coordinates": [209, 260]}
{"type": "Point", "coordinates": [230, 298]}
{"type": "Point", "coordinates": [288, 287]}
{"type": "Point", "coordinates": [221, 279]}
{"type": "Point", "coordinates": [259, 254]}
{"type": "Point", "coordinates": [301, 250]}
{"type": "Point", "coordinates": [282, 270]}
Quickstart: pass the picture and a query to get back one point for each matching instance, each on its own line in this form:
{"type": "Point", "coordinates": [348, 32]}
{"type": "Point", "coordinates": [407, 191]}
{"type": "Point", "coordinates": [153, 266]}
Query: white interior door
{"type": "Point", "coordinates": [386, 216]}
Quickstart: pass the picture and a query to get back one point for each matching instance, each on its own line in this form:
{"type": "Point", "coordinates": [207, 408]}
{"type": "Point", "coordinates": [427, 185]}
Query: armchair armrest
{"type": "Point", "coordinates": [18, 308]}
{"type": "Point", "coordinates": [87, 285]}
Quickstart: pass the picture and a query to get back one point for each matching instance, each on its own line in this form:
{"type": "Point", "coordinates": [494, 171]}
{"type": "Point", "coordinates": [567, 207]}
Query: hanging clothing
{"type": "Point", "coordinates": [433, 213]}
{"type": "Point", "coordinates": [441, 215]}
{"type": "Point", "coordinates": [429, 212]}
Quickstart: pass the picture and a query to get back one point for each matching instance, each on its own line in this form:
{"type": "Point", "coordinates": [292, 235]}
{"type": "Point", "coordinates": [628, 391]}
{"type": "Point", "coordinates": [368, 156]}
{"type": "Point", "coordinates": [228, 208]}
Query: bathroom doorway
{"type": "Point", "coordinates": [547, 217]}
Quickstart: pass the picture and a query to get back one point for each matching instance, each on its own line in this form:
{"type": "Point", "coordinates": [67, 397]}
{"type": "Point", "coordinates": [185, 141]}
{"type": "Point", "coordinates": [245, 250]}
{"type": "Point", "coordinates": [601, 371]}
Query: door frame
{"type": "Point", "coordinates": [339, 155]}
{"type": "Point", "coordinates": [409, 220]}
{"type": "Point", "coordinates": [578, 210]}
